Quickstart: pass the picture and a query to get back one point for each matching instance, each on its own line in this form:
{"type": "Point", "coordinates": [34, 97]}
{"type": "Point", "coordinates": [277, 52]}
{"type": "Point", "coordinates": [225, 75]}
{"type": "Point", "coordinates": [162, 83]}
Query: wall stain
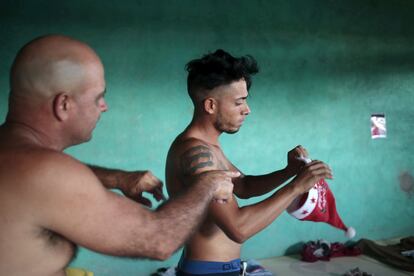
{"type": "Point", "coordinates": [407, 183]}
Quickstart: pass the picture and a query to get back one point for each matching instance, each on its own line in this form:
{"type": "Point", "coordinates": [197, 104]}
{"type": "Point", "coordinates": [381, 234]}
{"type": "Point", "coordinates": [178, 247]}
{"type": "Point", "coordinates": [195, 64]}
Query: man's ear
{"type": "Point", "coordinates": [210, 105]}
{"type": "Point", "coordinates": [61, 106]}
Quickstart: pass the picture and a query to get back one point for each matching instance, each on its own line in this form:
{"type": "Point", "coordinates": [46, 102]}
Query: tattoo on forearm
{"type": "Point", "coordinates": [196, 158]}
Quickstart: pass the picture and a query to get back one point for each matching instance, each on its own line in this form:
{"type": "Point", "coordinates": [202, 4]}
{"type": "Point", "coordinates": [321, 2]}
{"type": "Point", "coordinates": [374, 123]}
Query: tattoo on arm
{"type": "Point", "coordinates": [221, 166]}
{"type": "Point", "coordinates": [196, 158]}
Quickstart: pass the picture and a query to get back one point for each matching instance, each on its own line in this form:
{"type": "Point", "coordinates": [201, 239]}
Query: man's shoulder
{"type": "Point", "coordinates": [41, 178]}
{"type": "Point", "coordinates": [185, 143]}
{"type": "Point", "coordinates": [31, 166]}
{"type": "Point", "coordinates": [191, 155]}
{"type": "Point", "coordinates": [184, 153]}
{"type": "Point", "coordinates": [184, 148]}
{"type": "Point", "coordinates": [40, 157]}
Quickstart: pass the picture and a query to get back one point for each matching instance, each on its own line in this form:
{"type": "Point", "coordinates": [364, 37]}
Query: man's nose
{"type": "Point", "coordinates": [103, 107]}
{"type": "Point", "coordinates": [246, 110]}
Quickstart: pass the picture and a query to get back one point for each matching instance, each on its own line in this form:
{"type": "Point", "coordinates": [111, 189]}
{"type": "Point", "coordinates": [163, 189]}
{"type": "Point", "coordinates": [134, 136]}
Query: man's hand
{"type": "Point", "coordinates": [221, 182]}
{"type": "Point", "coordinates": [133, 184]}
{"type": "Point", "coordinates": [294, 164]}
{"type": "Point", "coordinates": [311, 173]}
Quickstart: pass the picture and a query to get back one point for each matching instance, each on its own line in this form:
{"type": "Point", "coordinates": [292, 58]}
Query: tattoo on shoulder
{"type": "Point", "coordinates": [196, 158]}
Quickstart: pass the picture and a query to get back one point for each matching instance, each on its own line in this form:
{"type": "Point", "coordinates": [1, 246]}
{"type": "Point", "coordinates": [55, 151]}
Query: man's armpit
{"type": "Point", "coordinates": [195, 159]}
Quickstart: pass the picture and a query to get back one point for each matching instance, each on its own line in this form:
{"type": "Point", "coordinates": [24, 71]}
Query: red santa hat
{"type": "Point", "coordinates": [318, 205]}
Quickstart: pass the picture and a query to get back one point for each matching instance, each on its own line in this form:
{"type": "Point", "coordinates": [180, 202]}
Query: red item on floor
{"type": "Point", "coordinates": [324, 251]}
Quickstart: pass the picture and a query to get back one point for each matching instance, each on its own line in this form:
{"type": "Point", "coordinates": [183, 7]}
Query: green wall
{"type": "Point", "coordinates": [325, 67]}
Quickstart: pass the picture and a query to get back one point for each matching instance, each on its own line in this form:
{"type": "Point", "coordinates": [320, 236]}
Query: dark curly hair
{"type": "Point", "coordinates": [216, 69]}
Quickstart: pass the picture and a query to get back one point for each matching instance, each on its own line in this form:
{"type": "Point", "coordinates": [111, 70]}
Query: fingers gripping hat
{"type": "Point", "coordinates": [318, 205]}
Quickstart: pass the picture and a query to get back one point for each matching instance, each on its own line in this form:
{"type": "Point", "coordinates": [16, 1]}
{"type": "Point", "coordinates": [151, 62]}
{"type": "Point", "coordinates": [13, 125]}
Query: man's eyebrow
{"type": "Point", "coordinates": [243, 98]}
{"type": "Point", "coordinates": [102, 93]}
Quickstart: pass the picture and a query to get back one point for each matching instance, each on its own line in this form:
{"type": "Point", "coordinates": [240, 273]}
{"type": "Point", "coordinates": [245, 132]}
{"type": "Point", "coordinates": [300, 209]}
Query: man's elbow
{"type": "Point", "coordinates": [162, 256]}
{"type": "Point", "coordinates": [153, 251]}
{"type": "Point", "coordinates": [238, 236]}
{"type": "Point", "coordinates": [158, 254]}
{"type": "Point", "coordinates": [162, 253]}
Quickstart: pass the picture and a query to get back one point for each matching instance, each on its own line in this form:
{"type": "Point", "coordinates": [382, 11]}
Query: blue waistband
{"type": "Point", "coordinates": [204, 267]}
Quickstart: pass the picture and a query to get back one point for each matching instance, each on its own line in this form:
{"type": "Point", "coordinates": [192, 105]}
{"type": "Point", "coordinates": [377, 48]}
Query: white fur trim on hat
{"type": "Point", "coordinates": [307, 208]}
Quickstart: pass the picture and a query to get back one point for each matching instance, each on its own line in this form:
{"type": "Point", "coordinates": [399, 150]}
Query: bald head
{"type": "Point", "coordinates": [50, 65]}
{"type": "Point", "coordinates": [57, 89]}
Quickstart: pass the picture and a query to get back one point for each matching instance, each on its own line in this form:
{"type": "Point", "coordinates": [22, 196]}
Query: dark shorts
{"type": "Point", "coordinates": [198, 268]}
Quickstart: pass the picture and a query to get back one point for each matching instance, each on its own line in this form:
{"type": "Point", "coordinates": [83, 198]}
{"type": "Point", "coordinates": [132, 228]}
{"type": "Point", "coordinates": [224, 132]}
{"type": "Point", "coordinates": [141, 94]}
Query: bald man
{"type": "Point", "coordinates": [49, 201]}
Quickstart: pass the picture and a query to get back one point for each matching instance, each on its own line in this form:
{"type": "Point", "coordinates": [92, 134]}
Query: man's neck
{"type": "Point", "coordinates": [204, 130]}
{"type": "Point", "coordinates": [23, 133]}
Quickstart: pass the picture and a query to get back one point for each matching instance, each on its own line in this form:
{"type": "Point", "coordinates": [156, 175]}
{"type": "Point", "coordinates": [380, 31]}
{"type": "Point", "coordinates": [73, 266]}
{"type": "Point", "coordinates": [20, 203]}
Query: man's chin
{"type": "Point", "coordinates": [232, 131]}
{"type": "Point", "coordinates": [85, 139]}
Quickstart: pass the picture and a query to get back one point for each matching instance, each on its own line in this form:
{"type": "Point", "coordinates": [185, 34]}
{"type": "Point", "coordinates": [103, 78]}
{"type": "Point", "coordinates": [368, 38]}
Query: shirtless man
{"type": "Point", "coordinates": [49, 201]}
{"type": "Point", "coordinates": [218, 85]}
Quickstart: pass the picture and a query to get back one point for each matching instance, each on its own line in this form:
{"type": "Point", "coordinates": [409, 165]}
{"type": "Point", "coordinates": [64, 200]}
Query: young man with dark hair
{"type": "Point", "coordinates": [218, 85]}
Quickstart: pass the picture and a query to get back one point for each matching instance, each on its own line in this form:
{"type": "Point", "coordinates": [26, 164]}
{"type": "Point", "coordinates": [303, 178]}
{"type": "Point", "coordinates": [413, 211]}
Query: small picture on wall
{"type": "Point", "coordinates": [378, 126]}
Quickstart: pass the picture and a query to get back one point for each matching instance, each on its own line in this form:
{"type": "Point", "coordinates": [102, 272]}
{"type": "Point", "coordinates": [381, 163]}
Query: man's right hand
{"type": "Point", "coordinates": [310, 174]}
{"type": "Point", "coordinates": [221, 183]}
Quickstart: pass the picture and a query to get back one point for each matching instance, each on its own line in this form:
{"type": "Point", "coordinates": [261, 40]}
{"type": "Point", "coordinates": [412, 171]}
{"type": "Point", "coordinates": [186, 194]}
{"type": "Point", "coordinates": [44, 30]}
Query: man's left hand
{"type": "Point", "coordinates": [295, 164]}
{"type": "Point", "coordinates": [133, 184]}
